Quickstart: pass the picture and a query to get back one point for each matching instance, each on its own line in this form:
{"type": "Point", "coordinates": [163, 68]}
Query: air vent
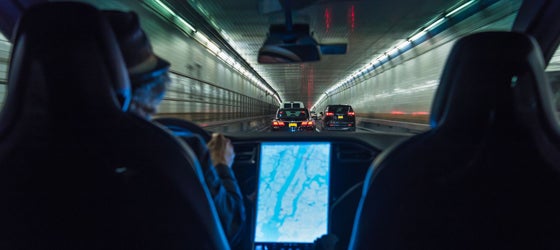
{"type": "Point", "coordinates": [350, 152]}
{"type": "Point", "coordinates": [246, 152]}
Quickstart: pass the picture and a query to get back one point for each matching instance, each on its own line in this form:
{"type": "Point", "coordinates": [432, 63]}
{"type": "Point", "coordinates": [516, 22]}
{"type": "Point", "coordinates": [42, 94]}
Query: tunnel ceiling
{"type": "Point", "coordinates": [368, 26]}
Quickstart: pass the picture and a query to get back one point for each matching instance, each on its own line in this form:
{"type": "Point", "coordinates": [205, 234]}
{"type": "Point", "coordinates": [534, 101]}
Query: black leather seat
{"type": "Point", "coordinates": [78, 172]}
{"type": "Point", "coordinates": [487, 176]}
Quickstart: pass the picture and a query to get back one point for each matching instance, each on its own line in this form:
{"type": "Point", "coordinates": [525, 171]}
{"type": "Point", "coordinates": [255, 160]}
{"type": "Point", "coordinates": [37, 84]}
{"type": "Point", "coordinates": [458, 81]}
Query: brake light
{"type": "Point", "coordinates": [330, 114]}
{"type": "Point", "coordinates": [351, 113]}
{"type": "Point", "coordinates": [303, 123]}
{"type": "Point", "coordinates": [275, 123]}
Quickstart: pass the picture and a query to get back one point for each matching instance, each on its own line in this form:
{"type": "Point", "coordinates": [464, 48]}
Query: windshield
{"type": "Point", "coordinates": [389, 69]}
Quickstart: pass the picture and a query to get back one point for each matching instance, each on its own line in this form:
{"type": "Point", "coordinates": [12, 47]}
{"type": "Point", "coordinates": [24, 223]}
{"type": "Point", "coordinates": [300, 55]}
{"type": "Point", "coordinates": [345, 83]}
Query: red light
{"type": "Point", "coordinates": [281, 123]}
{"type": "Point", "coordinates": [328, 19]}
{"type": "Point", "coordinates": [350, 113]}
{"type": "Point", "coordinates": [275, 123]}
{"type": "Point", "coordinates": [352, 17]}
{"type": "Point", "coordinates": [304, 124]}
{"type": "Point", "coordinates": [397, 112]}
{"type": "Point", "coordinates": [350, 125]}
{"type": "Point", "coordinates": [330, 114]}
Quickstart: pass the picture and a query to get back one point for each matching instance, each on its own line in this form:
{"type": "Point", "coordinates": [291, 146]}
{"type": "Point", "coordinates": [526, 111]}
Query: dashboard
{"type": "Point", "coordinates": [273, 182]}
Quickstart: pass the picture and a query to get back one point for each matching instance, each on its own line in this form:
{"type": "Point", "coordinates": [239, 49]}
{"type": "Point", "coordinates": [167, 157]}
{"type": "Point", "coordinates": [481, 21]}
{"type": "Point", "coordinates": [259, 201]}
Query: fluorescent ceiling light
{"type": "Point", "coordinates": [401, 46]}
{"type": "Point", "coordinates": [185, 24]}
{"type": "Point", "coordinates": [164, 7]}
{"type": "Point", "coordinates": [459, 8]}
{"type": "Point", "coordinates": [435, 24]}
{"type": "Point", "coordinates": [393, 52]}
{"type": "Point", "coordinates": [418, 35]}
{"type": "Point", "coordinates": [213, 48]}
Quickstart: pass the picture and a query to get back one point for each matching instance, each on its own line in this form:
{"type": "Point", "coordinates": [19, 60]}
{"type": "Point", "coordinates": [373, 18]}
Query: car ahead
{"type": "Point", "coordinates": [292, 119]}
{"type": "Point", "coordinates": [339, 117]}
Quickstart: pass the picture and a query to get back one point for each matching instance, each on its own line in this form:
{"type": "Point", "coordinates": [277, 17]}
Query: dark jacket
{"type": "Point", "coordinates": [224, 189]}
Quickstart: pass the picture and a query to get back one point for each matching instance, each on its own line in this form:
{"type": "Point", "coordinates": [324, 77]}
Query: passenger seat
{"type": "Point", "coordinates": [487, 176]}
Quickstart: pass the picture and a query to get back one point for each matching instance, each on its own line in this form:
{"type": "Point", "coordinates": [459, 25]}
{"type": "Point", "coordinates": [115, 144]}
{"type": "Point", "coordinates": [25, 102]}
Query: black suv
{"type": "Point", "coordinates": [339, 117]}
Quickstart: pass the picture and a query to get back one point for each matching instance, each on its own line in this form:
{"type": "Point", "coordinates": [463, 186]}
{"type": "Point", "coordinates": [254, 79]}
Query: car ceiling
{"type": "Point", "coordinates": [370, 27]}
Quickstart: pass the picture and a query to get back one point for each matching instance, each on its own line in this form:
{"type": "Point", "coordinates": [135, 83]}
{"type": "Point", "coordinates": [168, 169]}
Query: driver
{"type": "Point", "coordinates": [149, 79]}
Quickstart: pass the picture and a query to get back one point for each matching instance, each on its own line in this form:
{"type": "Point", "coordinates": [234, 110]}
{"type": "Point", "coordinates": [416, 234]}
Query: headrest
{"type": "Point", "coordinates": [478, 84]}
{"type": "Point", "coordinates": [142, 63]}
{"type": "Point", "coordinates": [66, 60]}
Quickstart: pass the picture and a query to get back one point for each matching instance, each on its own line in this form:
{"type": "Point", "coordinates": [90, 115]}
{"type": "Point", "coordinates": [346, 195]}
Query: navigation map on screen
{"type": "Point", "coordinates": [293, 194]}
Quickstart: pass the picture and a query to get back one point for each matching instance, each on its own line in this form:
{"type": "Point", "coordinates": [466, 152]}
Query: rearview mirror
{"type": "Point", "coordinates": [288, 53]}
{"type": "Point", "coordinates": [292, 44]}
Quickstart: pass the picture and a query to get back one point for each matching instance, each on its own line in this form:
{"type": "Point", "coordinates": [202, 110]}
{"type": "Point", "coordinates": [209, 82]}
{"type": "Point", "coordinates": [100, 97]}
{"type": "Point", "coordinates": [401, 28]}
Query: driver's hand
{"type": "Point", "coordinates": [221, 150]}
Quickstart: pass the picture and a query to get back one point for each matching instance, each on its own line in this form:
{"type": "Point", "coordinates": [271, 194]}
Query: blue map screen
{"type": "Point", "coordinates": [293, 194]}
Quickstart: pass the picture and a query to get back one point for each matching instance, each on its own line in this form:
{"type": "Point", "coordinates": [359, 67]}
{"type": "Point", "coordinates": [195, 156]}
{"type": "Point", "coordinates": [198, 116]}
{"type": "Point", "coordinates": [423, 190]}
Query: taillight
{"type": "Point", "coordinates": [351, 113]}
{"type": "Point", "coordinates": [275, 123]}
{"type": "Point", "coordinates": [303, 123]}
{"type": "Point", "coordinates": [330, 114]}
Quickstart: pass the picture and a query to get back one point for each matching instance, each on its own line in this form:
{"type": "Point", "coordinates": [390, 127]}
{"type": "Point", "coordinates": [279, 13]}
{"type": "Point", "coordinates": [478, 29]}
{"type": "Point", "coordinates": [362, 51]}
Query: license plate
{"type": "Point", "coordinates": [292, 125]}
{"type": "Point", "coordinates": [340, 117]}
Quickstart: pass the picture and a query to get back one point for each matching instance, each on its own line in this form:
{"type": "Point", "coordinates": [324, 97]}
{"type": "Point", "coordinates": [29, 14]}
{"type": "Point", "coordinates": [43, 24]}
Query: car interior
{"type": "Point", "coordinates": [74, 173]}
{"type": "Point", "coordinates": [78, 171]}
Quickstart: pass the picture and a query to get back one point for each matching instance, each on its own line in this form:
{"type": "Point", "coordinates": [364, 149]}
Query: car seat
{"type": "Point", "coordinates": [76, 170]}
{"type": "Point", "coordinates": [487, 175]}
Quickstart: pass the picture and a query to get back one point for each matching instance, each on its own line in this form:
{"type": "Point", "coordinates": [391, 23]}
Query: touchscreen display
{"type": "Point", "coordinates": [293, 192]}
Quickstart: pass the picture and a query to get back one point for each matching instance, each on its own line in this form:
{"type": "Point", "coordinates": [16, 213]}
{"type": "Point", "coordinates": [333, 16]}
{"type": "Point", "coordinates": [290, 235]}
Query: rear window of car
{"type": "Point", "coordinates": [296, 114]}
{"type": "Point", "coordinates": [340, 109]}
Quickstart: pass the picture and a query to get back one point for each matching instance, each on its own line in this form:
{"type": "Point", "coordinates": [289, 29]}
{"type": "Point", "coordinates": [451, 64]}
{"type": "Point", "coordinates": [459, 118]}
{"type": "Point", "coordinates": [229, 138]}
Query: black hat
{"type": "Point", "coordinates": [141, 62]}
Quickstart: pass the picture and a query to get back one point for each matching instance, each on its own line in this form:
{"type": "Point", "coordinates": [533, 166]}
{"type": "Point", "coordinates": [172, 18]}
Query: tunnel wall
{"type": "Point", "coordinates": [5, 48]}
{"type": "Point", "coordinates": [203, 87]}
{"type": "Point", "coordinates": [403, 88]}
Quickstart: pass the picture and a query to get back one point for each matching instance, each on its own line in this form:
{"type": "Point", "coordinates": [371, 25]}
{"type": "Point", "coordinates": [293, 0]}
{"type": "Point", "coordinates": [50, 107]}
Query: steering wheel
{"type": "Point", "coordinates": [181, 127]}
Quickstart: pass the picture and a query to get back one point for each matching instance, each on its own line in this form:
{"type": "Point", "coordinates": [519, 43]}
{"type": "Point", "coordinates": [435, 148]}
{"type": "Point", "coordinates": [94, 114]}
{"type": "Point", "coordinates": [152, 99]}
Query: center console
{"type": "Point", "coordinates": [298, 191]}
